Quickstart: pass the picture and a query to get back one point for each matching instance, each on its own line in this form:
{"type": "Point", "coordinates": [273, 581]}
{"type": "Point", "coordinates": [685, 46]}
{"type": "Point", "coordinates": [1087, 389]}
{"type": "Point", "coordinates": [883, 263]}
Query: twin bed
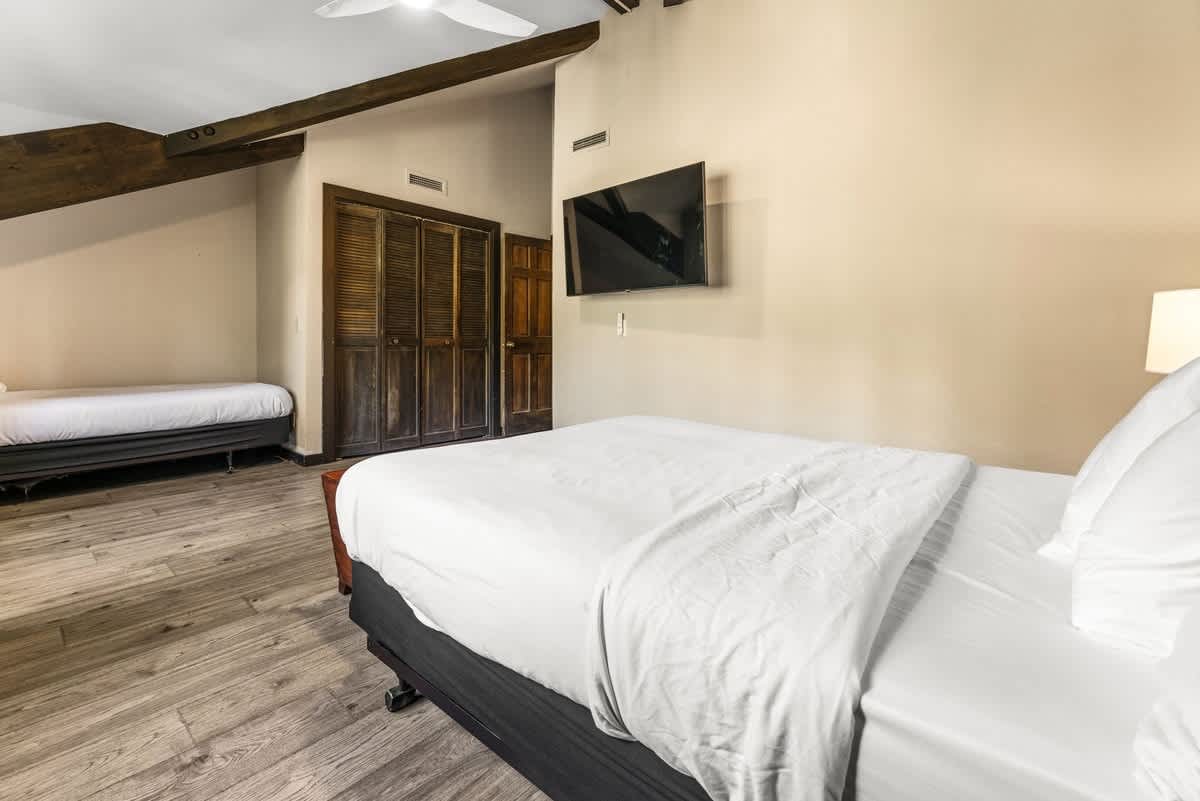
{"type": "Point", "coordinates": [49, 433]}
{"type": "Point", "coordinates": [484, 575]}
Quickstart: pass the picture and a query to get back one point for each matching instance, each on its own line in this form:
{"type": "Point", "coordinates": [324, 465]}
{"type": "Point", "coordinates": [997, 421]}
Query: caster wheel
{"type": "Point", "coordinates": [400, 697]}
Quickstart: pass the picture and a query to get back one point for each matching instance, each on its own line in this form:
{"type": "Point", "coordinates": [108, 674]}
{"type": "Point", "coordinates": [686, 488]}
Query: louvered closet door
{"type": "Point", "coordinates": [439, 268]}
{"type": "Point", "coordinates": [474, 247]}
{"type": "Point", "coordinates": [401, 340]}
{"type": "Point", "coordinates": [356, 331]}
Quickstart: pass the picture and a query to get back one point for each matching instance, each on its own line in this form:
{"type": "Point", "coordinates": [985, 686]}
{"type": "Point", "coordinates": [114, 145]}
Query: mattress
{"type": "Point", "coordinates": [979, 689]}
{"type": "Point", "coordinates": [40, 416]}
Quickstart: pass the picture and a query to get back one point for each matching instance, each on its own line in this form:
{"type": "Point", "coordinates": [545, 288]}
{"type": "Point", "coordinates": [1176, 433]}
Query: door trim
{"type": "Point", "coordinates": [334, 194]}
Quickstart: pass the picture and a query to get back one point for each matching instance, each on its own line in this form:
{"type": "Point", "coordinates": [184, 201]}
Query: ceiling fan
{"type": "Point", "coordinates": [473, 13]}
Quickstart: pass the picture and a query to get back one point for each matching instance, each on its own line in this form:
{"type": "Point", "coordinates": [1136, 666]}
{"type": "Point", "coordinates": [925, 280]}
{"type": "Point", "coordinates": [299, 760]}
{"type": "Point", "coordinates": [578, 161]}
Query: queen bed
{"type": "Point", "coordinates": [48, 433]}
{"type": "Point", "coordinates": [476, 576]}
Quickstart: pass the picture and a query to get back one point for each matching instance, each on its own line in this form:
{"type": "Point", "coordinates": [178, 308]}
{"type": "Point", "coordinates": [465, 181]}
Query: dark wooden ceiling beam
{"type": "Point", "coordinates": [381, 91]}
{"type": "Point", "coordinates": [50, 169]}
{"type": "Point", "coordinates": [623, 6]}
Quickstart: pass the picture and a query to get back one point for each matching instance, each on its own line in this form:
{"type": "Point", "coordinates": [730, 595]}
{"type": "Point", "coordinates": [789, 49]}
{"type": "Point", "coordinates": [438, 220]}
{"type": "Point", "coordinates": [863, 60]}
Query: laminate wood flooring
{"type": "Point", "coordinates": [182, 639]}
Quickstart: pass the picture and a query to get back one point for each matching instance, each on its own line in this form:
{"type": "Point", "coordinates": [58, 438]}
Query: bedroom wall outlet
{"type": "Point", "coordinates": [620, 324]}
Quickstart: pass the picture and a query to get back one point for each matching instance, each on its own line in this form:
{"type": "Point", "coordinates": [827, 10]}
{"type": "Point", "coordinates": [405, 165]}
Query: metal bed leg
{"type": "Point", "coordinates": [228, 461]}
{"type": "Point", "coordinates": [25, 486]}
{"type": "Point", "coordinates": [401, 696]}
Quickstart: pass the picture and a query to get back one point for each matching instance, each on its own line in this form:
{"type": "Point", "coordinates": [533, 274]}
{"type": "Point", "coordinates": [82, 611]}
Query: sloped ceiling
{"type": "Point", "coordinates": [164, 65]}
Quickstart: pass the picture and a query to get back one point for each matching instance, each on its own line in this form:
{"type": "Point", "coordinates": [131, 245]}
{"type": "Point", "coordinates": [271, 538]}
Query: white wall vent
{"type": "Point", "coordinates": [598, 139]}
{"type": "Point", "coordinates": [427, 182]}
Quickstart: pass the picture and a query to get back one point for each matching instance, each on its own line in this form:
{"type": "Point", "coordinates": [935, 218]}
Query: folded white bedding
{"type": "Point", "coordinates": [34, 416]}
{"type": "Point", "coordinates": [1167, 746]}
{"type": "Point", "coordinates": [731, 642]}
{"type": "Point", "coordinates": [1167, 749]}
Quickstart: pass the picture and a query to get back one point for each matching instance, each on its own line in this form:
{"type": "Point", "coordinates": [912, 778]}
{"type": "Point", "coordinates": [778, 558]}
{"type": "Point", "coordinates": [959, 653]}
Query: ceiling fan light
{"type": "Point", "coordinates": [418, 4]}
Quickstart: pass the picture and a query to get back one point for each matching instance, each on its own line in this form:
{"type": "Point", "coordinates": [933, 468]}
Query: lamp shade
{"type": "Point", "coordinates": [1174, 331]}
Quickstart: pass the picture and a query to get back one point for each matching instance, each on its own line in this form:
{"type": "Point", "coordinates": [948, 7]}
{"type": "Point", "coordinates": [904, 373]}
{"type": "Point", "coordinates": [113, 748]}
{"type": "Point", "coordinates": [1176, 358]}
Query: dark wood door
{"type": "Point", "coordinates": [528, 336]}
{"type": "Point", "coordinates": [438, 270]}
{"type": "Point", "coordinates": [400, 336]}
{"type": "Point", "coordinates": [474, 352]}
{"type": "Point", "coordinates": [356, 362]}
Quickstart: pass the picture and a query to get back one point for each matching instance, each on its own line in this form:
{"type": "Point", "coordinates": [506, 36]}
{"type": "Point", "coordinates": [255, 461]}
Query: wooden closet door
{"type": "Point", "coordinates": [356, 330]}
{"type": "Point", "coordinates": [473, 317]}
{"type": "Point", "coordinates": [439, 269]}
{"type": "Point", "coordinates": [400, 331]}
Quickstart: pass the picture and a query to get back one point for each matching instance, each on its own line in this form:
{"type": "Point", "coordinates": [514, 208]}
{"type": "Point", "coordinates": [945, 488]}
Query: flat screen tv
{"type": "Point", "coordinates": [645, 234]}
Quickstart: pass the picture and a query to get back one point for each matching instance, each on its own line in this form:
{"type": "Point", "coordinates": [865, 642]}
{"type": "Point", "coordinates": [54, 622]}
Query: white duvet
{"type": "Point", "coordinates": [33, 416]}
{"type": "Point", "coordinates": [732, 640]}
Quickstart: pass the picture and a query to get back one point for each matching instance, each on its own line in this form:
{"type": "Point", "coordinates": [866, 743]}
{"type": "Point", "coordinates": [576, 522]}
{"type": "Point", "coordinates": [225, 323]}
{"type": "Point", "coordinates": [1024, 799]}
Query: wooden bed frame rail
{"type": "Point", "coordinates": [341, 559]}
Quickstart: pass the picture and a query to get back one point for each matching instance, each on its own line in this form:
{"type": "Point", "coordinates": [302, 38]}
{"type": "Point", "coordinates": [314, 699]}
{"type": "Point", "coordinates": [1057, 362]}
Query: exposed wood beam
{"type": "Point", "coordinates": [669, 3]}
{"type": "Point", "coordinates": [624, 6]}
{"type": "Point", "coordinates": [382, 91]}
{"type": "Point", "coordinates": [49, 169]}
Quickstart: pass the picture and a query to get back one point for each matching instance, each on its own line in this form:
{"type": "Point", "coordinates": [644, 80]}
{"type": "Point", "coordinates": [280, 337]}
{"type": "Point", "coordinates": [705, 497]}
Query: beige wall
{"type": "Point", "coordinates": [492, 149]}
{"type": "Point", "coordinates": [936, 223]}
{"type": "Point", "coordinates": [152, 287]}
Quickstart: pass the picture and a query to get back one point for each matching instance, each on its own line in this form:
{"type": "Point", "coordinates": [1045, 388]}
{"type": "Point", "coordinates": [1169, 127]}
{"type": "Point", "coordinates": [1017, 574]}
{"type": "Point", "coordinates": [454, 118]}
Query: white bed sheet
{"type": "Point", "coordinates": [979, 688]}
{"type": "Point", "coordinates": [36, 416]}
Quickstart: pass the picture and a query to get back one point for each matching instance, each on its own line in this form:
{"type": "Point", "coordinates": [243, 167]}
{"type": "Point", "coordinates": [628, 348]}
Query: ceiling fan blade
{"type": "Point", "coordinates": [350, 8]}
{"type": "Point", "coordinates": [486, 17]}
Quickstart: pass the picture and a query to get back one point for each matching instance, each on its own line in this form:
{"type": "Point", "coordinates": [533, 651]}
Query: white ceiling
{"type": "Point", "coordinates": [164, 65]}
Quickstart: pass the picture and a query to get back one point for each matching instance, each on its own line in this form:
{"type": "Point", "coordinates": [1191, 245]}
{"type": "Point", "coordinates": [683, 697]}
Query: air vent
{"type": "Point", "coordinates": [426, 182]}
{"type": "Point", "coordinates": [599, 139]}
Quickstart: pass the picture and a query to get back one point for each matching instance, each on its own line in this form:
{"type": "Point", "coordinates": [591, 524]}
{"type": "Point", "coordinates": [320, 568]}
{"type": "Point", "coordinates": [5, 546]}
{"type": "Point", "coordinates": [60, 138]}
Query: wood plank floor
{"type": "Point", "coordinates": [182, 638]}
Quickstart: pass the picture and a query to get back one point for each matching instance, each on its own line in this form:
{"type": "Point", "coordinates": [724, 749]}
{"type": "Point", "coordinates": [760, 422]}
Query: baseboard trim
{"type": "Point", "coordinates": [303, 459]}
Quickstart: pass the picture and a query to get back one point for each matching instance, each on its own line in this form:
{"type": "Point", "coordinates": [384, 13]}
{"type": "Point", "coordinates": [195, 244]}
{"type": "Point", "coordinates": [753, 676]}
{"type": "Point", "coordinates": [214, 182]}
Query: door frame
{"type": "Point", "coordinates": [333, 194]}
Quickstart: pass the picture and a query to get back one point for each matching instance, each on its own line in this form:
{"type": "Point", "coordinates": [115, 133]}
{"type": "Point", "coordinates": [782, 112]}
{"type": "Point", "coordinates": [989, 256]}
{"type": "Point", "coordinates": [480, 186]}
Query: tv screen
{"type": "Point", "coordinates": [645, 234]}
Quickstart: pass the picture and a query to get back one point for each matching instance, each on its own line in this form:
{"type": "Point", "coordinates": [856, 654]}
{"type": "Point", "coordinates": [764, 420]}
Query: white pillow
{"type": "Point", "coordinates": [1138, 572]}
{"type": "Point", "coordinates": [1171, 401]}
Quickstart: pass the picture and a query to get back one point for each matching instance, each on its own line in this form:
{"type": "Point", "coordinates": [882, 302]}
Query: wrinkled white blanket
{"type": "Point", "coordinates": [732, 641]}
{"type": "Point", "coordinates": [1167, 745]}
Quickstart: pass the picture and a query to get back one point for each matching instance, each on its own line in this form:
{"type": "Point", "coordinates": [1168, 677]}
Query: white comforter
{"type": "Point", "coordinates": [33, 416]}
{"type": "Point", "coordinates": [732, 640]}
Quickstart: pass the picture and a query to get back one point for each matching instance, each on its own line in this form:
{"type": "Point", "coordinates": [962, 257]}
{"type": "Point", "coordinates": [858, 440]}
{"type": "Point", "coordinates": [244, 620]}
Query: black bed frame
{"type": "Point", "coordinates": [549, 739]}
{"type": "Point", "coordinates": [26, 465]}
